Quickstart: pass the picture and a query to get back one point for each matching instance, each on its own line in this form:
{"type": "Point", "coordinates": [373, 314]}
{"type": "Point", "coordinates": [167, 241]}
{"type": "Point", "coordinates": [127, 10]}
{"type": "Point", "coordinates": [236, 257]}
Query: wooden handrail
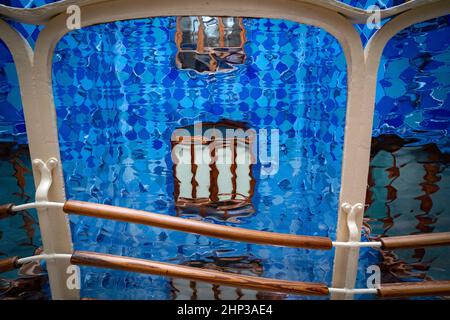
{"type": "Point", "coordinates": [197, 227]}
{"type": "Point", "coordinates": [100, 260]}
{"type": "Point", "coordinates": [6, 210]}
{"type": "Point", "coordinates": [8, 264]}
{"type": "Point", "coordinates": [411, 289]}
{"type": "Point", "coordinates": [416, 241]}
{"type": "Point", "coordinates": [390, 290]}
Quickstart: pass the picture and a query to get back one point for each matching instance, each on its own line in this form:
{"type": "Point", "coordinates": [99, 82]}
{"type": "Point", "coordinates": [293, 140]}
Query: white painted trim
{"type": "Point", "coordinates": [55, 231]}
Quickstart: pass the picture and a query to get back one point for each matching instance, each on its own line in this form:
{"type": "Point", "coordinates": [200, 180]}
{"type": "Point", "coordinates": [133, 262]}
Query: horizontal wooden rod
{"type": "Point", "coordinates": [9, 264]}
{"type": "Point", "coordinates": [414, 289]}
{"type": "Point", "coordinates": [416, 241]}
{"type": "Point", "coordinates": [83, 258]}
{"type": "Point", "coordinates": [198, 227]}
{"type": "Point", "coordinates": [6, 210]}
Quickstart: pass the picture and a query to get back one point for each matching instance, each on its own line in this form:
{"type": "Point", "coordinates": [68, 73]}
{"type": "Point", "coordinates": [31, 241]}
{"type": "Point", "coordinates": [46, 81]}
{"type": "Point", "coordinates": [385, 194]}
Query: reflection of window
{"type": "Point", "coordinates": [209, 44]}
{"type": "Point", "coordinates": [213, 170]}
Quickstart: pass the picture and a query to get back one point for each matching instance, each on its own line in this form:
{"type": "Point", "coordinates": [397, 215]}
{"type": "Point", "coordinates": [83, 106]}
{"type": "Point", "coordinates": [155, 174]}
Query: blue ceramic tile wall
{"type": "Point", "coordinates": [26, 3]}
{"type": "Point", "coordinates": [12, 123]}
{"type": "Point", "coordinates": [413, 90]}
{"type": "Point", "coordinates": [365, 4]}
{"type": "Point", "coordinates": [411, 102]}
{"type": "Point", "coordinates": [119, 97]}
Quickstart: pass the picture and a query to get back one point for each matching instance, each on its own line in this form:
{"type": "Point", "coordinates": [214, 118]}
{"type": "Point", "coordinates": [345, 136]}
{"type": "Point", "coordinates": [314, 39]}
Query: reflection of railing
{"type": "Point", "coordinates": [230, 233]}
{"type": "Point", "coordinates": [413, 179]}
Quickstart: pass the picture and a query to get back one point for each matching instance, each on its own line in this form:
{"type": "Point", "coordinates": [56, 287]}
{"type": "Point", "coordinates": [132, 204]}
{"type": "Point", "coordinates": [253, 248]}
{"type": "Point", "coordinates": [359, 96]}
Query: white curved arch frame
{"type": "Point", "coordinates": [53, 223]}
{"type": "Point", "coordinates": [41, 123]}
{"type": "Point", "coordinates": [372, 56]}
{"type": "Point", "coordinates": [353, 189]}
{"type": "Point", "coordinates": [45, 13]}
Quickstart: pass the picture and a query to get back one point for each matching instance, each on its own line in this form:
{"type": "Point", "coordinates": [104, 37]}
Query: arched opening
{"type": "Point", "coordinates": [409, 178]}
{"type": "Point", "coordinates": [119, 97]}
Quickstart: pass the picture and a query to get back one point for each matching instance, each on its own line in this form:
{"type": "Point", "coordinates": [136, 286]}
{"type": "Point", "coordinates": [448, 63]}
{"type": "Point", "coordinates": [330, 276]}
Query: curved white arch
{"type": "Point", "coordinates": [357, 134]}
{"type": "Point", "coordinates": [46, 12]}
{"type": "Point", "coordinates": [53, 223]}
{"type": "Point", "coordinates": [374, 49]}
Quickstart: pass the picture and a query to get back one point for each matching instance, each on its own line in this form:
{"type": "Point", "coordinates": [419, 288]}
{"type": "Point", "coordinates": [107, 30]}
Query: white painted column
{"type": "Point", "coordinates": [41, 132]}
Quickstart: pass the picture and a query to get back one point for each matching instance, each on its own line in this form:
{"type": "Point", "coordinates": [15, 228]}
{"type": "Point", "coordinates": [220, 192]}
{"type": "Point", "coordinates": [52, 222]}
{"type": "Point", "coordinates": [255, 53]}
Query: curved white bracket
{"type": "Point", "coordinates": [45, 169]}
{"type": "Point", "coordinates": [352, 216]}
{"type": "Point", "coordinates": [354, 235]}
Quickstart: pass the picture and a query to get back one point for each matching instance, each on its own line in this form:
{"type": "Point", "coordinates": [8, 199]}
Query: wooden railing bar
{"type": "Point", "coordinates": [226, 232]}
{"type": "Point", "coordinates": [198, 227]}
{"type": "Point", "coordinates": [83, 258]}
{"type": "Point", "coordinates": [414, 289]}
{"type": "Point", "coordinates": [416, 241]}
{"type": "Point", "coordinates": [8, 264]}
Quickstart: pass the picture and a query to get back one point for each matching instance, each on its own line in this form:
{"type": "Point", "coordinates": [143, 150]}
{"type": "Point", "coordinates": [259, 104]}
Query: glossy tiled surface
{"type": "Point", "coordinates": [12, 122]}
{"type": "Point", "coordinates": [409, 179]}
{"type": "Point", "coordinates": [107, 161]}
{"type": "Point", "coordinates": [368, 4]}
{"type": "Point", "coordinates": [26, 3]}
{"type": "Point", "coordinates": [413, 90]}
{"type": "Point", "coordinates": [119, 97]}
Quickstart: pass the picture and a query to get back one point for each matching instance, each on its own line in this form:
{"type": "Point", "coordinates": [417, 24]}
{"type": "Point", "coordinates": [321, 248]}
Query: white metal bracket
{"type": "Point", "coordinates": [54, 225]}
{"type": "Point", "coordinates": [354, 235]}
{"type": "Point", "coordinates": [45, 182]}
{"type": "Point", "coordinates": [45, 169]}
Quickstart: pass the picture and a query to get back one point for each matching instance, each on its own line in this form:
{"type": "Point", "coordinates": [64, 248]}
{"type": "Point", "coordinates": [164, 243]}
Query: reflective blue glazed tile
{"type": "Point", "coordinates": [115, 125]}
{"type": "Point", "coordinates": [26, 3]}
{"type": "Point", "coordinates": [414, 84]}
{"type": "Point", "coordinates": [12, 122]}
{"type": "Point", "coordinates": [365, 4]}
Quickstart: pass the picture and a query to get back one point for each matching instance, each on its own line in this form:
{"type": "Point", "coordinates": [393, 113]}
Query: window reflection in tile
{"type": "Point", "coordinates": [210, 44]}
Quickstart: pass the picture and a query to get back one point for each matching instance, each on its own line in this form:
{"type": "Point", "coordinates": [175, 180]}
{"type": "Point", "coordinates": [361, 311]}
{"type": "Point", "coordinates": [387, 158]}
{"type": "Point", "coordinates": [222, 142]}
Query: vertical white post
{"type": "Point", "coordinates": [52, 235]}
{"type": "Point", "coordinates": [43, 143]}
